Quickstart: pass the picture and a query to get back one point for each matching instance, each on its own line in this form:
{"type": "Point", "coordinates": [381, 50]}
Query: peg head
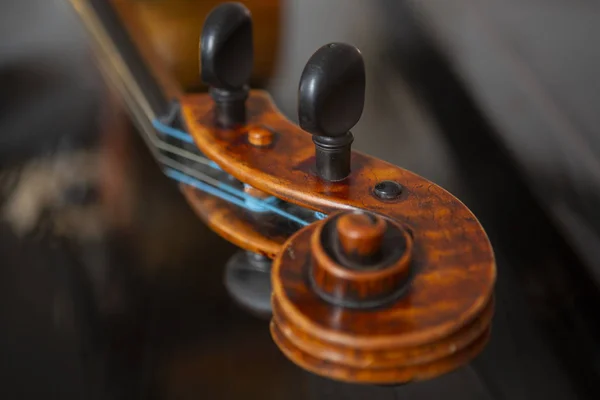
{"type": "Point", "coordinates": [331, 95]}
{"type": "Point", "coordinates": [248, 282]}
{"type": "Point", "coordinates": [226, 48]}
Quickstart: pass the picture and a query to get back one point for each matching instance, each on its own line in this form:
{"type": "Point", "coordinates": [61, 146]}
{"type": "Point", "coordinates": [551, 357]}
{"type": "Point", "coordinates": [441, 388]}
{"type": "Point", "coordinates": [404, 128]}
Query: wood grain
{"type": "Point", "coordinates": [344, 281]}
{"type": "Point", "coordinates": [432, 329]}
{"type": "Point", "coordinates": [440, 322]}
{"type": "Point", "coordinates": [382, 376]}
{"type": "Point", "coordinates": [236, 225]}
{"type": "Point", "coordinates": [386, 358]}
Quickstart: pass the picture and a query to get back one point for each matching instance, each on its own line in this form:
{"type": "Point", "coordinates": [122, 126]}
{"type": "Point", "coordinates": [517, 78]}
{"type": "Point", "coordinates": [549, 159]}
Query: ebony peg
{"type": "Point", "coordinates": [248, 281]}
{"type": "Point", "coordinates": [226, 59]}
{"type": "Point", "coordinates": [331, 97]}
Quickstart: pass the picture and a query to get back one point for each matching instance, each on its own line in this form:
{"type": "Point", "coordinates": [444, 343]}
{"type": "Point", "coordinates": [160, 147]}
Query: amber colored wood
{"type": "Point", "coordinates": [440, 223]}
{"type": "Point", "coordinates": [168, 31]}
{"type": "Point", "coordinates": [285, 169]}
{"type": "Point", "coordinates": [432, 329]}
{"type": "Point", "coordinates": [388, 357]}
{"type": "Point", "coordinates": [381, 376]}
{"type": "Point", "coordinates": [346, 285]}
{"type": "Point", "coordinates": [360, 234]}
{"type": "Point", "coordinates": [452, 263]}
{"type": "Point", "coordinates": [235, 225]}
{"type": "Point", "coordinates": [444, 295]}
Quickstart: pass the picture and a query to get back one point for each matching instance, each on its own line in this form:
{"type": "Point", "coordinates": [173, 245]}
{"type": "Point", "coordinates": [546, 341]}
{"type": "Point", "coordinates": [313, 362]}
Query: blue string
{"type": "Point", "coordinates": [265, 204]}
{"type": "Point", "coordinates": [176, 133]}
{"type": "Point", "coordinates": [214, 165]}
{"type": "Point", "coordinates": [219, 192]}
{"type": "Point", "coordinates": [257, 205]}
{"type": "Point", "coordinates": [188, 180]}
{"type": "Point", "coordinates": [251, 203]}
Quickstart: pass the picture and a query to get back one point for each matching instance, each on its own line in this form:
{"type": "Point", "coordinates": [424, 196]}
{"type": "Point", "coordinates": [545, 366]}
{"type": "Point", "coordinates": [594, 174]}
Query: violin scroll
{"type": "Point", "coordinates": [393, 280]}
{"type": "Point", "coordinates": [331, 98]}
{"type": "Point", "coordinates": [392, 318]}
{"type": "Point", "coordinates": [226, 59]}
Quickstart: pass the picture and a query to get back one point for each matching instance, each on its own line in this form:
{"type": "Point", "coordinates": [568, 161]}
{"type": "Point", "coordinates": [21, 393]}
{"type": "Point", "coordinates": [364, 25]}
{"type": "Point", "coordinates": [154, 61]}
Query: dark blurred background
{"type": "Point", "coordinates": [117, 293]}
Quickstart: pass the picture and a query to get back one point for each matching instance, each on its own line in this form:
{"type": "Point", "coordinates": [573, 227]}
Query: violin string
{"type": "Point", "coordinates": [217, 188]}
{"type": "Point", "coordinates": [118, 73]}
{"type": "Point", "coordinates": [176, 133]}
{"type": "Point", "coordinates": [188, 155]}
{"type": "Point", "coordinates": [188, 180]}
{"type": "Point", "coordinates": [205, 182]}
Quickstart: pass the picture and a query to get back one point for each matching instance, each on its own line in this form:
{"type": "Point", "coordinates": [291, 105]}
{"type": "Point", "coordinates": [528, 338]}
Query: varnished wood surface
{"type": "Point", "coordinates": [446, 234]}
{"type": "Point", "coordinates": [384, 376]}
{"type": "Point", "coordinates": [430, 330]}
{"type": "Point", "coordinates": [345, 281]}
{"type": "Point", "coordinates": [285, 169]}
{"type": "Point", "coordinates": [235, 225]}
{"type": "Point", "coordinates": [452, 260]}
{"type": "Point", "coordinates": [387, 358]}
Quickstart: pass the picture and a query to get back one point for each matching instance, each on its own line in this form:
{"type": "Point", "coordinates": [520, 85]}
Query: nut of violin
{"type": "Point", "coordinates": [226, 59]}
{"type": "Point", "coordinates": [331, 97]}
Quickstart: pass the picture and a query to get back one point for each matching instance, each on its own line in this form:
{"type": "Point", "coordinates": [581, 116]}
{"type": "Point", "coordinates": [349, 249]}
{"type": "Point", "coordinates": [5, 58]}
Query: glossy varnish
{"type": "Point", "coordinates": [442, 319]}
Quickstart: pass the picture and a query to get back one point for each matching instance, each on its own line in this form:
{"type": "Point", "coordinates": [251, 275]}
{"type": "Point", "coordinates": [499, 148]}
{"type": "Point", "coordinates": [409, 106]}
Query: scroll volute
{"type": "Point", "coordinates": [170, 30]}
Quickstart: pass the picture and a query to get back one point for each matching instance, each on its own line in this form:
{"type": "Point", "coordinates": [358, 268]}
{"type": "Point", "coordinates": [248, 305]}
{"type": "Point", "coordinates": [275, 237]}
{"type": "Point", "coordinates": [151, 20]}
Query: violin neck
{"type": "Point", "coordinates": [125, 64]}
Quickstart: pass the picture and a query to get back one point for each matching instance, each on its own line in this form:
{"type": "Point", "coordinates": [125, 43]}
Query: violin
{"type": "Point", "coordinates": [374, 275]}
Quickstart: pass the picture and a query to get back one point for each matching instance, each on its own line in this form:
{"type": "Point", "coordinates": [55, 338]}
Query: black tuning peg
{"type": "Point", "coordinates": [248, 281]}
{"type": "Point", "coordinates": [331, 97]}
{"type": "Point", "coordinates": [226, 59]}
